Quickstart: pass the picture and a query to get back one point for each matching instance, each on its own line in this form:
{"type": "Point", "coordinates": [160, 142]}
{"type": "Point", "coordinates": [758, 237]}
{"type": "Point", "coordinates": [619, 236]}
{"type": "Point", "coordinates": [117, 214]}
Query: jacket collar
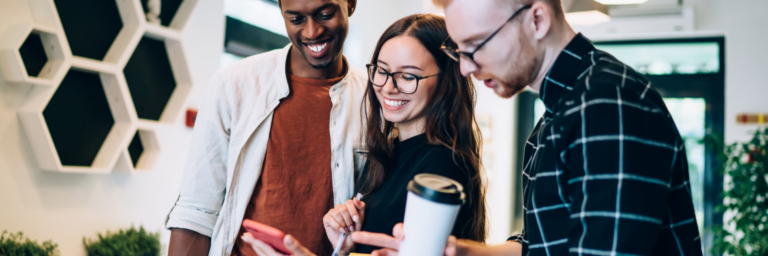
{"type": "Point", "coordinates": [281, 75]}
{"type": "Point", "coordinates": [573, 61]}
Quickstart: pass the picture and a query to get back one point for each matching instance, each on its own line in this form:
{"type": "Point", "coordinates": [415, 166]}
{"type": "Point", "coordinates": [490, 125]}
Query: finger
{"type": "Point", "coordinates": [346, 215]}
{"type": "Point", "coordinates": [360, 205]}
{"type": "Point", "coordinates": [261, 248]}
{"type": "Point", "coordinates": [336, 215]}
{"type": "Point", "coordinates": [376, 239]}
{"type": "Point", "coordinates": [385, 252]}
{"type": "Point", "coordinates": [398, 232]}
{"type": "Point", "coordinates": [330, 222]}
{"type": "Point", "coordinates": [352, 211]}
{"type": "Point", "coordinates": [295, 247]}
{"type": "Point", "coordinates": [450, 247]}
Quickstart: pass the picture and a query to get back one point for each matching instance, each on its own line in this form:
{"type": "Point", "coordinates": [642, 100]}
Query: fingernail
{"type": "Point", "coordinates": [359, 196]}
{"type": "Point", "coordinates": [354, 217]}
{"type": "Point", "coordinates": [289, 240]}
{"type": "Point", "coordinates": [351, 228]}
{"type": "Point", "coordinates": [341, 230]}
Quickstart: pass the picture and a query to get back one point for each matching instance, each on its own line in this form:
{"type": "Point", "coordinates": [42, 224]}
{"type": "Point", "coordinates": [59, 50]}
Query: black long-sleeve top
{"type": "Point", "coordinates": [385, 207]}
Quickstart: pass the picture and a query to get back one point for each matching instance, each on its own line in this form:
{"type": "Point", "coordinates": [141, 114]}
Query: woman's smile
{"type": "Point", "coordinates": [393, 104]}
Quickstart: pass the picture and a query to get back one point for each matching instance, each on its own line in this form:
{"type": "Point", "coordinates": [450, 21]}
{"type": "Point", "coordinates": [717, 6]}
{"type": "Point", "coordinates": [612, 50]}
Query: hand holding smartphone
{"type": "Point", "coordinates": [272, 236]}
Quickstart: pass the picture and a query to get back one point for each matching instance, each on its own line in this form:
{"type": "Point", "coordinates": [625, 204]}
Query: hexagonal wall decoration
{"type": "Point", "coordinates": [150, 78]}
{"type": "Point", "coordinates": [143, 150]}
{"type": "Point", "coordinates": [98, 108]}
{"type": "Point", "coordinates": [101, 30]}
{"type": "Point", "coordinates": [33, 54]}
{"type": "Point", "coordinates": [78, 118]}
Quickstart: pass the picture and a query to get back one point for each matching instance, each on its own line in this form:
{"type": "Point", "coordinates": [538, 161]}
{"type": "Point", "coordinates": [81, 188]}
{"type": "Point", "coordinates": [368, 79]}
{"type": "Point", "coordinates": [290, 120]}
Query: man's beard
{"type": "Point", "coordinates": [522, 72]}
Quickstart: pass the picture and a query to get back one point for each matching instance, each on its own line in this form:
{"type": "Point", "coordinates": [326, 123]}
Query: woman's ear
{"type": "Point", "coordinates": [351, 4]}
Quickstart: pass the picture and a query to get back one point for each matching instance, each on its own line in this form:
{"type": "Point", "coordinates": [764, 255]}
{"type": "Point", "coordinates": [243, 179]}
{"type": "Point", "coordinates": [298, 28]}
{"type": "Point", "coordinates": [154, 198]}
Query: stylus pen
{"type": "Point", "coordinates": [339, 243]}
{"type": "Point", "coordinates": [344, 235]}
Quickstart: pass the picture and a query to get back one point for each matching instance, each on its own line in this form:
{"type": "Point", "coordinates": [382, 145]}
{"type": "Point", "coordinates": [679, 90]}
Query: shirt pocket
{"type": "Point", "coordinates": [360, 157]}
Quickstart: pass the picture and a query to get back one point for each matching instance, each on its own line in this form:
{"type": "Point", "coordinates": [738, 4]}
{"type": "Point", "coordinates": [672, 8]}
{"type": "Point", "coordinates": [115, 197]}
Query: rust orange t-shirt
{"type": "Point", "coordinates": [295, 188]}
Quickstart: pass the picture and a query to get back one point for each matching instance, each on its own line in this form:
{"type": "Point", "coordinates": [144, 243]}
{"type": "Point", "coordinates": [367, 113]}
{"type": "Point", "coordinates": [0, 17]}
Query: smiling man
{"type": "Point", "coordinates": [275, 139]}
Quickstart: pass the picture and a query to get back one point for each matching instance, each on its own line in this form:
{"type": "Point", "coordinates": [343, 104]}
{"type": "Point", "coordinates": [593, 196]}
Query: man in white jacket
{"type": "Point", "coordinates": [277, 140]}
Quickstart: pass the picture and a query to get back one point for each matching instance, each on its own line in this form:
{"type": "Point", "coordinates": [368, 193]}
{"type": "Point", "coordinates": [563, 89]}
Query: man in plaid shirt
{"type": "Point", "coordinates": [605, 170]}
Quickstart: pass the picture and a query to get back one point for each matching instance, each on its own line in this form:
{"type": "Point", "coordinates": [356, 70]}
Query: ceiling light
{"type": "Point", "coordinates": [617, 2]}
{"type": "Point", "coordinates": [586, 18]}
{"type": "Point", "coordinates": [585, 12]}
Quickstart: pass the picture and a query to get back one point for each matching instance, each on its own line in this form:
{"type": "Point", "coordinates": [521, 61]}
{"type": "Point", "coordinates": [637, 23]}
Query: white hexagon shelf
{"type": "Point", "coordinates": [84, 125]}
{"type": "Point", "coordinates": [143, 150]}
{"type": "Point", "coordinates": [159, 95]}
{"type": "Point", "coordinates": [33, 54]}
{"type": "Point", "coordinates": [90, 110]}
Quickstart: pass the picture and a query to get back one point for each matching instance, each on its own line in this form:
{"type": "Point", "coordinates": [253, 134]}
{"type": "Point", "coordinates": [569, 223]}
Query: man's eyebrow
{"type": "Point", "coordinates": [292, 12]}
{"type": "Point", "coordinates": [325, 6]}
{"type": "Point", "coordinates": [322, 7]}
{"type": "Point", "coordinates": [472, 39]}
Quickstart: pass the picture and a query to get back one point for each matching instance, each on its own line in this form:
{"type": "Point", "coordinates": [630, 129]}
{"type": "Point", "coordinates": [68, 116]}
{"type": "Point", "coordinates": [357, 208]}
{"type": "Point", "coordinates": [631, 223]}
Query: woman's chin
{"type": "Point", "coordinates": [394, 118]}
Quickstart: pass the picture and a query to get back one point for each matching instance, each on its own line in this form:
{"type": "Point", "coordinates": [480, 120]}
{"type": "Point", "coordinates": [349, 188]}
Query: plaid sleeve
{"type": "Point", "coordinates": [618, 170]}
{"type": "Point", "coordinates": [520, 238]}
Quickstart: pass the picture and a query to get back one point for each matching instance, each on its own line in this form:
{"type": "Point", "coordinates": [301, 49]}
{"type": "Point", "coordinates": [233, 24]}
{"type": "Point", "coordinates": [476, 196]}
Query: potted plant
{"type": "Point", "coordinates": [17, 245]}
{"type": "Point", "coordinates": [745, 199]}
{"type": "Point", "coordinates": [131, 242]}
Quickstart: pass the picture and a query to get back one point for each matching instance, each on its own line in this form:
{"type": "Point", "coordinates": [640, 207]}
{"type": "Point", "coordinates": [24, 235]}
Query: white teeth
{"type": "Point", "coordinates": [395, 103]}
{"type": "Point", "coordinates": [317, 47]}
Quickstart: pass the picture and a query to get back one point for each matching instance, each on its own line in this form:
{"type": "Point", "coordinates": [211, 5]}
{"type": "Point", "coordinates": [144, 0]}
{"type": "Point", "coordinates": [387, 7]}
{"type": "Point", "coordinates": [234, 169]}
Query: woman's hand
{"type": "Point", "coordinates": [263, 249]}
{"type": "Point", "coordinates": [344, 218]}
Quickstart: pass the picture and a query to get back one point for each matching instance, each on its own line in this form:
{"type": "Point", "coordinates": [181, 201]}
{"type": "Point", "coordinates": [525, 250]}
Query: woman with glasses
{"type": "Point", "coordinates": [420, 119]}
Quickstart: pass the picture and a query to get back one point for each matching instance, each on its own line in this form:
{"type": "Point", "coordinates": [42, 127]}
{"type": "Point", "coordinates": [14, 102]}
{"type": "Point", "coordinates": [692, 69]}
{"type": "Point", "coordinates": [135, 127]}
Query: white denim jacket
{"type": "Point", "coordinates": [230, 138]}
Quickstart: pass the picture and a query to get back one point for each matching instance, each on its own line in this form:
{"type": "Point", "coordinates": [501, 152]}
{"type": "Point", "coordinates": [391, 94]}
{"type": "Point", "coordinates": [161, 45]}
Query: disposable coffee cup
{"type": "Point", "coordinates": [431, 208]}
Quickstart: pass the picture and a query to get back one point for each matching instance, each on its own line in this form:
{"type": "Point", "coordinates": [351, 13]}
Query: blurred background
{"type": "Point", "coordinates": [95, 97]}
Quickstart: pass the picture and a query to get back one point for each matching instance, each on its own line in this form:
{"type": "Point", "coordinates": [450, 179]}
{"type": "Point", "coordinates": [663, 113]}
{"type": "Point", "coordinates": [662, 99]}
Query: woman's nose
{"type": "Point", "coordinates": [389, 86]}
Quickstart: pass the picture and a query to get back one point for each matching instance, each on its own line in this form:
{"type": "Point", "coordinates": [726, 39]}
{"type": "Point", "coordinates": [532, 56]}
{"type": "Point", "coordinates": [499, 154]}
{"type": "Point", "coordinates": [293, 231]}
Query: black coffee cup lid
{"type": "Point", "coordinates": [437, 188]}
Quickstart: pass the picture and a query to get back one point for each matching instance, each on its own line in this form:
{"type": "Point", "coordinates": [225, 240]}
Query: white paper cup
{"type": "Point", "coordinates": [430, 211]}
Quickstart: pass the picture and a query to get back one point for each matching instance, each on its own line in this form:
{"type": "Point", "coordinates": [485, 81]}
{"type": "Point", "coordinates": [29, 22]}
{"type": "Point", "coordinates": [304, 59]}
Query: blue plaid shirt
{"type": "Point", "coordinates": [605, 170]}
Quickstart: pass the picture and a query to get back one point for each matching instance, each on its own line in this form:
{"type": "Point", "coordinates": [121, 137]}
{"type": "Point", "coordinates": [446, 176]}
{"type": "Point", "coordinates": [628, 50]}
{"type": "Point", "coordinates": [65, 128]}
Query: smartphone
{"type": "Point", "coordinates": [272, 236]}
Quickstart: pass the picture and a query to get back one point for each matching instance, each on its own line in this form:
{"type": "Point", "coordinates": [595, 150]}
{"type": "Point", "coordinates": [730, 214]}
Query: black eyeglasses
{"type": "Point", "coordinates": [404, 82]}
{"type": "Point", "coordinates": [455, 54]}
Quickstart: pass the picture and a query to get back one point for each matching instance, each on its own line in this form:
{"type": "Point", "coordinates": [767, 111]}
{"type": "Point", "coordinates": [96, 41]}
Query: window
{"type": "Point", "coordinates": [252, 27]}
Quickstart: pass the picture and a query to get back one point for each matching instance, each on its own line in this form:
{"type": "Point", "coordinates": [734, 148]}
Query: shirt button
{"type": "Point", "coordinates": [337, 165]}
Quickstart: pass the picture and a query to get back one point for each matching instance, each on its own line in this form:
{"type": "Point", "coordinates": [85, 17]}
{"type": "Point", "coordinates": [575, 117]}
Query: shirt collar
{"type": "Point", "coordinates": [574, 60]}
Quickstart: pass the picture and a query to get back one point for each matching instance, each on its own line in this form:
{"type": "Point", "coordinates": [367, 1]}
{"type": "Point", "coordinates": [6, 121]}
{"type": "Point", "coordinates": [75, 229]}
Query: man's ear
{"type": "Point", "coordinates": [542, 20]}
{"type": "Point", "coordinates": [351, 4]}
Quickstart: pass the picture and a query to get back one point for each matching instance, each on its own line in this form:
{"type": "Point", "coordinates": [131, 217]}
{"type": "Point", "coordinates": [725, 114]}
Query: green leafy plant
{"type": "Point", "coordinates": [131, 242]}
{"type": "Point", "coordinates": [17, 245]}
{"type": "Point", "coordinates": [745, 198]}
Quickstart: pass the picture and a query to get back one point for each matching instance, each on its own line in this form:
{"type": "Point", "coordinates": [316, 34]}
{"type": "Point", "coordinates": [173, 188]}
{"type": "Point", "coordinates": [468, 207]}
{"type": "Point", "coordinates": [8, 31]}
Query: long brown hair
{"type": "Point", "coordinates": [450, 120]}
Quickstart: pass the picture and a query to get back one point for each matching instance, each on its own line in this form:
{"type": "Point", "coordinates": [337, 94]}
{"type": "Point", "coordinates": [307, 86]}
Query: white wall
{"type": "Point", "coordinates": [744, 23]}
{"type": "Point", "coordinates": [369, 21]}
{"type": "Point", "coordinates": [66, 207]}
